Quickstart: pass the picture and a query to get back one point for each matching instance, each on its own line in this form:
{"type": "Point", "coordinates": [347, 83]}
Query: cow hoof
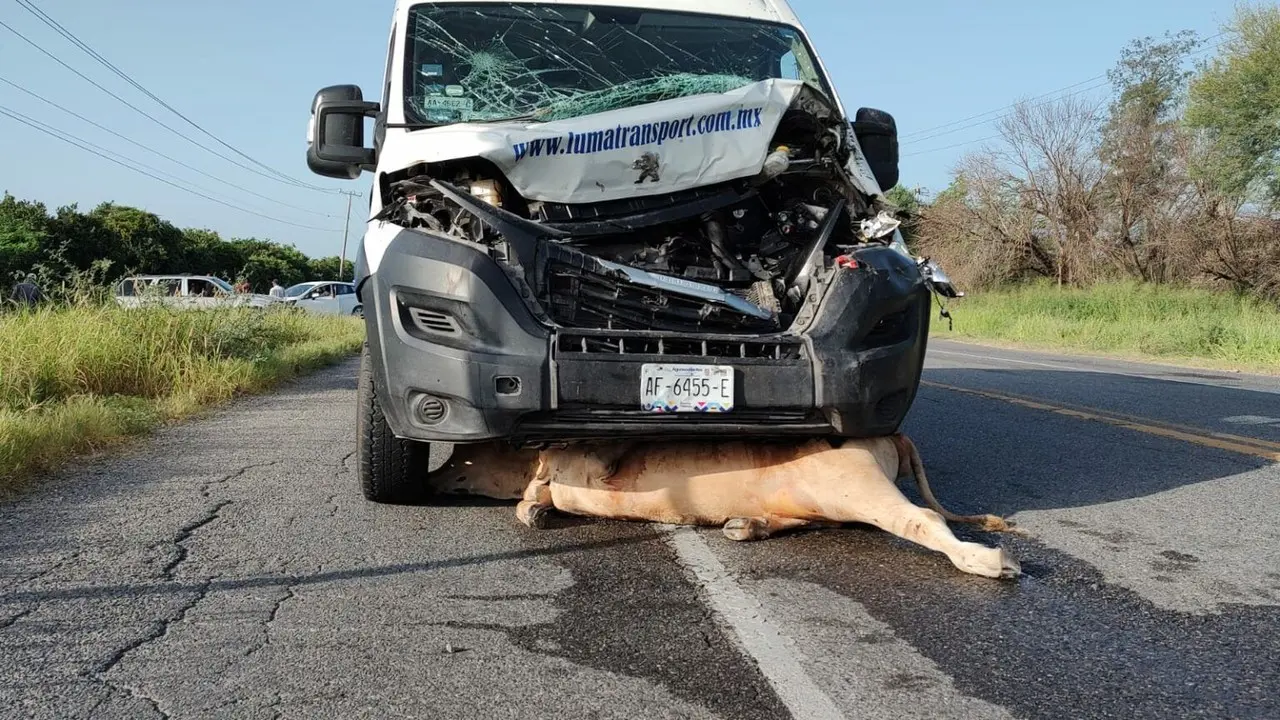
{"type": "Point", "coordinates": [988, 562]}
{"type": "Point", "coordinates": [534, 516]}
{"type": "Point", "coordinates": [741, 529]}
{"type": "Point", "coordinates": [995, 523]}
{"type": "Point", "coordinates": [539, 517]}
{"type": "Point", "coordinates": [1010, 568]}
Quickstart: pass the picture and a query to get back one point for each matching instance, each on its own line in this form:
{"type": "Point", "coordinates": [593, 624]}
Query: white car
{"type": "Point", "coordinates": [324, 296]}
{"type": "Point", "coordinates": [185, 291]}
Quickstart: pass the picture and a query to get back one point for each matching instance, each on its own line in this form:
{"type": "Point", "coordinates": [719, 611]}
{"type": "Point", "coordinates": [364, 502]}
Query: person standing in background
{"type": "Point", "coordinates": [276, 290]}
{"type": "Point", "coordinates": [27, 293]}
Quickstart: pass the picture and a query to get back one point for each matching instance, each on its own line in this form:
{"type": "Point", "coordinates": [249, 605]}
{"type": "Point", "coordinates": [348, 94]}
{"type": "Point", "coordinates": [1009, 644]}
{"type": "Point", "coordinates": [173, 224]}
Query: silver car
{"type": "Point", "coordinates": [326, 297]}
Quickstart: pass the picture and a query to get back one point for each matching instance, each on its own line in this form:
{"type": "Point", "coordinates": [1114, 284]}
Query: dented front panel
{"type": "Point", "coordinates": [594, 189]}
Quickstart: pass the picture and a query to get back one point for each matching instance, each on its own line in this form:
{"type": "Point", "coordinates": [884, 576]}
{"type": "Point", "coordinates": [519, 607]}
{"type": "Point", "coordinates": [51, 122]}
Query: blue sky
{"type": "Point", "coordinates": [246, 70]}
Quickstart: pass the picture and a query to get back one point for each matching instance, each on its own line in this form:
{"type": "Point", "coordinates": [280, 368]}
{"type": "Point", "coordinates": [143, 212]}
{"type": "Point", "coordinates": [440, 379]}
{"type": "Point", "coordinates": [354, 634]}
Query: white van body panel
{"type": "Point", "coordinates": [593, 167]}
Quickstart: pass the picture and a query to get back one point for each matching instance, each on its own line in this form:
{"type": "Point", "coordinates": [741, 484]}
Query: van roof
{"type": "Point", "coordinates": [769, 10]}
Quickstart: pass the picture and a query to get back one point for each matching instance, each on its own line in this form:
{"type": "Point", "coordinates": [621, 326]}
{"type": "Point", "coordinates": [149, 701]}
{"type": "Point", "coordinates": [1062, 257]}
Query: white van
{"type": "Point", "coordinates": [198, 292]}
{"type": "Point", "coordinates": [651, 218]}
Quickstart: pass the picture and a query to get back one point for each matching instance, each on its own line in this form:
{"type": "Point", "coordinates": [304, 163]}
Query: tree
{"type": "Point", "coordinates": [141, 240]}
{"type": "Point", "coordinates": [1028, 207]}
{"type": "Point", "coordinates": [100, 246]}
{"type": "Point", "coordinates": [1145, 181]}
{"type": "Point", "coordinates": [1235, 99]}
{"type": "Point", "coordinates": [266, 261]}
{"type": "Point", "coordinates": [1156, 188]}
{"type": "Point", "coordinates": [980, 230]}
{"type": "Point", "coordinates": [1053, 160]}
{"type": "Point", "coordinates": [327, 269]}
{"type": "Point", "coordinates": [24, 229]}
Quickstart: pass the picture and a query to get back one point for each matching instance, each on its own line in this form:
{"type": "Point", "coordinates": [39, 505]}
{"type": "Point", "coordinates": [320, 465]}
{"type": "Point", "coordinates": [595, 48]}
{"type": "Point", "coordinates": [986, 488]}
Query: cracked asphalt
{"type": "Point", "coordinates": [228, 567]}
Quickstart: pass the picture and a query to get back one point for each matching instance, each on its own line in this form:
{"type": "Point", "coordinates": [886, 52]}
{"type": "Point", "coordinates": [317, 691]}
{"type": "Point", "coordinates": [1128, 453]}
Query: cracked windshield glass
{"type": "Point", "coordinates": [552, 62]}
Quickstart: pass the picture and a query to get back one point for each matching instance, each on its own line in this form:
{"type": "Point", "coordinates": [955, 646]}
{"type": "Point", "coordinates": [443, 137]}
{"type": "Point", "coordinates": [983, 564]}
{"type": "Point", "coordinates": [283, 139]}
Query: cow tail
{"type": "Point", "coordinates": [909, 455]}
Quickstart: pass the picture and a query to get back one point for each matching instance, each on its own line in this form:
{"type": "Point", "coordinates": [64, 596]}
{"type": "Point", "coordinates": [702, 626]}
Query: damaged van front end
{"type": "Point", "coordinates": [625, 219]}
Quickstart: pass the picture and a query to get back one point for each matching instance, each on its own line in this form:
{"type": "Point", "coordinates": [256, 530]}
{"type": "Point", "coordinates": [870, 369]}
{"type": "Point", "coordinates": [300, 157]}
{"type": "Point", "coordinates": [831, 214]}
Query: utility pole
{"type": "Point", "coordinates": [342, 260]}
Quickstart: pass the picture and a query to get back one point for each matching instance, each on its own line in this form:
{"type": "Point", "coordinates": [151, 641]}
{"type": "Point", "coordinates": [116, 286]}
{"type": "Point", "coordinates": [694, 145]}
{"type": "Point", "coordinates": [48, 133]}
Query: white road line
{"type": "Point", "coordinates": [1055, 366]}
{"type": "Point", "coordinates": [777, 660]}
{"type": "Point", "coordinates": [1251, 420]}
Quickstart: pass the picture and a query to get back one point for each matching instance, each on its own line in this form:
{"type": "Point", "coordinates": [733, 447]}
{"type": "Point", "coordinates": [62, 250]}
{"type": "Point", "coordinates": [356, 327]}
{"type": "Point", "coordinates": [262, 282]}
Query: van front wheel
{"type": "Point", "coordinates": [390, 469]}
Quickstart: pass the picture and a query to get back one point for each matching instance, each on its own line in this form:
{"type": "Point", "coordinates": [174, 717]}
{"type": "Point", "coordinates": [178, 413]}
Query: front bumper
{"type": "Point", "coordinates": [459, 357]}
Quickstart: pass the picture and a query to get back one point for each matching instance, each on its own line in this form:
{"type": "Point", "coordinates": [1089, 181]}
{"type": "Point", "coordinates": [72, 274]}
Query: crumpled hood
{"type": "Point", "coordinates": [648, 149]}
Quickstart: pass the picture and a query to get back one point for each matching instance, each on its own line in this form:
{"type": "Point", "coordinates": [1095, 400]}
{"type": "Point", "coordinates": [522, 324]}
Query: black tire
{"type": "Point", "coordinates": [390, 470]}
{"type": "Point", "coordinates": [358, 311]}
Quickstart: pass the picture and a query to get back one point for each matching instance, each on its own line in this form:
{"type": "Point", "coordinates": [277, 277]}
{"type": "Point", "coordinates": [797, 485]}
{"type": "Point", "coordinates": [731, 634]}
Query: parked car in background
{"type": "Point", "coordinates": [325, 296]}
{"type": "Point", "coordinates": [185, 291]}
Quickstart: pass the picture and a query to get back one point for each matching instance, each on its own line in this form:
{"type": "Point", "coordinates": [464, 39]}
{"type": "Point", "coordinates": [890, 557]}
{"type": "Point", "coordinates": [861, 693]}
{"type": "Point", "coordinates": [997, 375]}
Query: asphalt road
{"type": "Point", "coordinates": [229, 568]}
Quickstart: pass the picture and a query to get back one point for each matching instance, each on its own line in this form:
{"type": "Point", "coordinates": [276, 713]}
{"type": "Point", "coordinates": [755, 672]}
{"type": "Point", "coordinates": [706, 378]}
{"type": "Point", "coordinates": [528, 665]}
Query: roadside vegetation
{"type": "Point", "coordinates": [114, 240]}
{"type": "Point", "coordinates": [1147, 222]}
{"type": "Point", "coordinates": [1129, 319]}
{"type": "Point", "coordinates": [80, 374]}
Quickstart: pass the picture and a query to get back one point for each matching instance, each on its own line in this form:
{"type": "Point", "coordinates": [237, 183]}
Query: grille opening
{"type": "Point", "coordinates": [574, 344]}
{"type": "Point", "coordinates": [433, 321]}
{"type": "Point", "coordinates": [583, 299]}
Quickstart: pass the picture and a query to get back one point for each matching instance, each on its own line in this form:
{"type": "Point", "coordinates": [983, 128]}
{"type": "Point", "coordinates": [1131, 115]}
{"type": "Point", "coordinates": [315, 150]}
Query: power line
{"type": "Point", "coordinates": [153, 151]}
{"type": "Point", "coordinates": [931, 130]}
{"type": "Point", "coordinates": [44, 17]}
{"type": "Point", "coordinates": [139, 110]}
{"type": "Point", "coordinates": [997, 118]}
{"type": "Point", "coordinates": [997, 110]}
{"type": "Point", "coordinates": [106, 155]}
{"type": "Point", "coordinates": [950, 147]}
{"type": "Point", "coordinates": [133, 107]}
{"type": "Point", "coordinates": [119, 158]}
{"type": "Point", "coordinates": [1015, 105]}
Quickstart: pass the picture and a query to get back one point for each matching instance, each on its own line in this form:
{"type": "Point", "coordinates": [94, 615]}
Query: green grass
{"type": "Point", "coordinates": [1164, 324]}
{"type": "Point", "coordinates": [76, 380]}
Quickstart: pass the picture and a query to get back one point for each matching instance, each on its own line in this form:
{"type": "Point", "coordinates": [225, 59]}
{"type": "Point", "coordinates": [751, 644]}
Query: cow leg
{"type": "Point", "coordinates": [927, 528]}
{"type": "Point", "coordinates": [534, 510]}
{"type": "Point", "coordinates": [760, 528]}
{"type": "Point", "coordinates": [880, 503]}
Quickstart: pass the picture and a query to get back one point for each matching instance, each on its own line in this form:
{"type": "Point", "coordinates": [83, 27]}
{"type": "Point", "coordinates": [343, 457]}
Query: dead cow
{"type": "Point", "coordinates": [752, 490]}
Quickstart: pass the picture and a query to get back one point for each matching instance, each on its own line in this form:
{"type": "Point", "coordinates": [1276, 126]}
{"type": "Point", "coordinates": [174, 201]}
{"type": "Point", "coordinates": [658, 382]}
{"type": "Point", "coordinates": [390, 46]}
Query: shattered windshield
{"type": "Point", "coordinates": [550, 62]}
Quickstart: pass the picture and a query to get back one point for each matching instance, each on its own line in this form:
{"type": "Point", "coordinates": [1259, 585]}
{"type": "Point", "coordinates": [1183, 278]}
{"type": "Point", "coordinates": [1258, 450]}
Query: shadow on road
{"type": "Point", "coordinates": [983, 453]}
{"type": "Point", "coordinates": [132, 591]}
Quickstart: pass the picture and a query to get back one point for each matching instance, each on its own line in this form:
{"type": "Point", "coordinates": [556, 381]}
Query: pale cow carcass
{"type": "Point", "coordinates": [750, 489]}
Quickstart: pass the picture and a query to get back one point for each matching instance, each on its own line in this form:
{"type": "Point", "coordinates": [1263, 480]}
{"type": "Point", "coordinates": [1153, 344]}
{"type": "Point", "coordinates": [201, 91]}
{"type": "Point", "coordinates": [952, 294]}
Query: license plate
{"type": "Point", "coordinates": [686, 388]}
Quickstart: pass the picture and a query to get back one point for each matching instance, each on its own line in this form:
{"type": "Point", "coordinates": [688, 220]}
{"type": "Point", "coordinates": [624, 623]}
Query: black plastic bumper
{"type": "Point", "coordinates": [459, 357]}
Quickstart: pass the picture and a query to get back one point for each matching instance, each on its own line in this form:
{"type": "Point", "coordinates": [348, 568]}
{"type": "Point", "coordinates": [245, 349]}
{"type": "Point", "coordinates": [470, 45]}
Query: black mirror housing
{"type": "Point", "coordinates": [877, 134]}
{"type": "Point", "coordinates": [336, 143]}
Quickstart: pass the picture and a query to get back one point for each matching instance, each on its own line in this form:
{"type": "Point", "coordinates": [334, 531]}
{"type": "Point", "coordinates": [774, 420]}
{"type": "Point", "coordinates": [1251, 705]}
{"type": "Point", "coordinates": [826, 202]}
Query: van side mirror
{"type": "Point", "coordinates": [335, 136]}
{"type": "Point", "coordinates": [877, 134]}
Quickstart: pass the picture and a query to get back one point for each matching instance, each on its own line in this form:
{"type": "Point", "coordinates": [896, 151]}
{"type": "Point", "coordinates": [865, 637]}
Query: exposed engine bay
{"type": "Point", "coordinates": [741, 256]}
